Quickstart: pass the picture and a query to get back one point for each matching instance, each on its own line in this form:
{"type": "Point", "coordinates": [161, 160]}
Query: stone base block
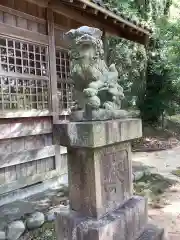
{"type": "Point", "coordinates": [126, 223]}
{"type": "Point", "coordinates": [151, 232]}
{"type": "Point", "coordinates": [100, 114]}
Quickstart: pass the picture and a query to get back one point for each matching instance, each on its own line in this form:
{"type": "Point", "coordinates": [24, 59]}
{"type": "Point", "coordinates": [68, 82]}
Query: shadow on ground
{"type": "Point", "coordinates": [153, 186]}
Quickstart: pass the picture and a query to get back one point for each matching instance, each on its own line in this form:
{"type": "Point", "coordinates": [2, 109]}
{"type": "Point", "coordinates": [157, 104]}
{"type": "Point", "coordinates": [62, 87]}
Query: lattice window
{"type": "Point", "coordinates": [64, 84]}
{"type": "Point", "coordinates": [21, 57]}
{"type": "Point", "coordinates": [23, 75]}
{"type": "Point", "coordinates": [62, 64]}
{"type": "Point", "coordinates": [18, 93]}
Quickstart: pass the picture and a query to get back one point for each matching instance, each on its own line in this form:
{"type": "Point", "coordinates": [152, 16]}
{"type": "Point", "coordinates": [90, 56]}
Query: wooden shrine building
{"type": "Point", "coordinates": [35, 87]}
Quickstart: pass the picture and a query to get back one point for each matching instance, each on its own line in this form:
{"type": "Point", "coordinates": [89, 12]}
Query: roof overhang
{"type": "Point", "coordinates": [110, 20]}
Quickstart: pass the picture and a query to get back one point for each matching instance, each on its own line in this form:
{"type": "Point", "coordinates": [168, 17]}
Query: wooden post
{"type": "Point", "coordinates": [105, 44]}
{"type": "Point", "coordinates": [52, 63]}
{"type": "Point", "coordinates": [53, 77]}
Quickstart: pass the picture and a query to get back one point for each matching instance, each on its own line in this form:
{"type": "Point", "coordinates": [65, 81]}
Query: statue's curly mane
{"type": "Point", "coordinates": [95, 62]}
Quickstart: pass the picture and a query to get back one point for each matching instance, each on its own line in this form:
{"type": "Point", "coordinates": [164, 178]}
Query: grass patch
{"type": "Point", "coordinates": [176, 172]}
{"type": "Point", "coordinates": [46, 232]}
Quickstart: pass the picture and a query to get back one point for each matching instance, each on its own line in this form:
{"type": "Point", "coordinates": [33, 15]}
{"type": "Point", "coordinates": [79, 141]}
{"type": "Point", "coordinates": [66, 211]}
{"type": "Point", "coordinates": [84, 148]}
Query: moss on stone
{"type": "Point", "coordinates": [176, 172]}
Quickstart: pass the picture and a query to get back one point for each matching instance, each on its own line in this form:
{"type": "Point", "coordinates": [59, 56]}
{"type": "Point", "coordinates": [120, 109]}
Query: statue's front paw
{"type": "Point", "coordinates": [94, 102]}
{"type": "Point", "coordinates": [96, 84]}
{"type": "Point", "coordinates": [108, 105]}
{"type": "Point", "coordinates": [121, 95]}
{"type": "Point", "coordinates": [90, 92]}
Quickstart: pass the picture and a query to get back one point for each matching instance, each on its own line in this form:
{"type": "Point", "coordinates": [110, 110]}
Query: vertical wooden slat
{"type": "Point", "coordinates": [10, 19]}
{"type": "Point", "coordinates": [10, 174]}
{"type": "Point", "coordinates": [53, 76]}
{"type": "Point", "coordinates": [31, 9]}
{"type": "Point", "coordinates": [52, 61]}
{"type": "Point", "coordinates": [1, 16]}
{"type": "Point", "coordinates": [20, 6]}
{"type": "Point", "coordinates": [105, 44]}
{"type": "Point", "coordinates": [7, 3]}
{"type": "Point", "coordinates": [30, 169]}
{"type": "Point", "coordinates": [2, 176]}
{"type": "Point", "coordinates": [21, 23]}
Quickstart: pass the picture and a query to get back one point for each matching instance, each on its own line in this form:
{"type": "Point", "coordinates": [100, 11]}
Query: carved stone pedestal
{"type": "Point", "coordinates": [102, 206]}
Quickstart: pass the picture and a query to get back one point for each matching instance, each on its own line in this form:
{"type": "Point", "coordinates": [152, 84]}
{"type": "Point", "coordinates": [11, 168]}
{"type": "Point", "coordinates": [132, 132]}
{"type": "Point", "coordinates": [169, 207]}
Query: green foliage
{"type": "Point", "coordinates": [152, 75]}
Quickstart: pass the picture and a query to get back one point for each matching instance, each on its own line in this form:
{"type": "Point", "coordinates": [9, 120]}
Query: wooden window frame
{"type": "Point", "coordinates": [51, 42]}
{"type": "Point", "coordinates": [16, 33]}
{"type": "Point", "coordinates": [65, 91]}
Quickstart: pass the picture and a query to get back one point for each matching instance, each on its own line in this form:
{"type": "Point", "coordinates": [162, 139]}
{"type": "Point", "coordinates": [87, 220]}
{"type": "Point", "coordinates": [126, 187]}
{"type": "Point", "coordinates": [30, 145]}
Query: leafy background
{"type": "Point", "coordinates": [150, 76]}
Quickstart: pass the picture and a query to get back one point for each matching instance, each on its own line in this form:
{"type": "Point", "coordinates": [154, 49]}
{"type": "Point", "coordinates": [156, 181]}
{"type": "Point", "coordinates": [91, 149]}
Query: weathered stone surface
{"type": "Point", "coordinates": [2, 235]}
{"type": "Point", "coordinates": [99, 163]}
{"type": "Point", "coordinates": [15, 230]}
{"type": "Point", "coordinates": [97, 88]}
{"type": "Point", "coordinates": [152, 232]}
{"type": "Point", "coordinates": [100, 114]}
{"type": "Point", "coordinates": [35, 220]}
{"type": "Point", "coordinates": [125, 223]}
{"type": "Point", "coordinates": [100, 182]}
{"type": "Point", "coordinates": [99, 179]}
{"type": "Point", "coordinates": [97, 134]}
{"type": "Point", "coordinates": [51, 214]}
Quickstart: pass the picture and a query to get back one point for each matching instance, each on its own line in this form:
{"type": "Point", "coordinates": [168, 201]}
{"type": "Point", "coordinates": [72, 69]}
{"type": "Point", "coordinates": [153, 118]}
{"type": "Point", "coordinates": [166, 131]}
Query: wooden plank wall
{"type": "Point", "coordinates": [27, 153]}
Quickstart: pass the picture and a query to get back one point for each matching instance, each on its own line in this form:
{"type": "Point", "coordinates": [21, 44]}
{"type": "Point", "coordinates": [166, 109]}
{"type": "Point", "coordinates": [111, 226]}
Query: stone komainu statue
{"type": "Point", "coordinates": [97, 90]}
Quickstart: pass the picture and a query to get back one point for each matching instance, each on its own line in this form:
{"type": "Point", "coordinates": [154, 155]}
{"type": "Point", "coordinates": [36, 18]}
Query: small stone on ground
{"type": "Point", "coordinates": [2, 235]}
{"type": "Point", "coordinates": [35, 220]}
{"type": "Point", "coordinates": [15, 230]}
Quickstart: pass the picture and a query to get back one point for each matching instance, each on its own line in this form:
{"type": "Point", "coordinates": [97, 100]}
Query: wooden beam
{"type": "Point", "coordinates": [105, 44]}
{"type": "Point", "coordinates": [84, 6]}
{"type": "Point", "coordinates": [41, 3]}
{"type": "Point", "coordinates": [25, 181]}
{"type": "Point", "coordinates": [114, 16]}
{"type": "Point", "coordinates": [21, 14]}
{"type": "Point", "coordinates": [16, 158]}
{"type": "Point", "coordinates": [19, 128]}
{"type": "Point", "coordinates": [85, 19]}
{"type": "Point", "coordinates": [22, 34]}
{"type": "Point", "coordinates": [24, 113]}
{"type": "Point", "coordinates": [19, 75]}
{"type": "Point", "coordinates": [73, 14]}
{"type": "Point", "coordinates": [52, 61]}
{"type": "Point", "coordinates": [53, 75]}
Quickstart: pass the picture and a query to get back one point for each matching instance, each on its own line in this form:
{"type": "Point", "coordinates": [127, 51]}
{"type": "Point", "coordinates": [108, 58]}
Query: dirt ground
{"type": "Point", "coordinates": [169, 216]}
{"type": "Point", "coordinates": [166, 214]}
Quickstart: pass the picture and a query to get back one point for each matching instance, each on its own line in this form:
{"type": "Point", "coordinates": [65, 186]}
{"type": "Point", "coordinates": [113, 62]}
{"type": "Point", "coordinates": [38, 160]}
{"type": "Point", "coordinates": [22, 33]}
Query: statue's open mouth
{"type": "Point", "coordinates": [86, 40]}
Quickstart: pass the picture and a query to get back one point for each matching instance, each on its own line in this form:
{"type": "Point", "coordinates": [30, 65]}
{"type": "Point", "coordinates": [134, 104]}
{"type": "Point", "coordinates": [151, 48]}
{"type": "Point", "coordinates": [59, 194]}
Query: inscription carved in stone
{"type": "Point", "coordinates": [114, 165]}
